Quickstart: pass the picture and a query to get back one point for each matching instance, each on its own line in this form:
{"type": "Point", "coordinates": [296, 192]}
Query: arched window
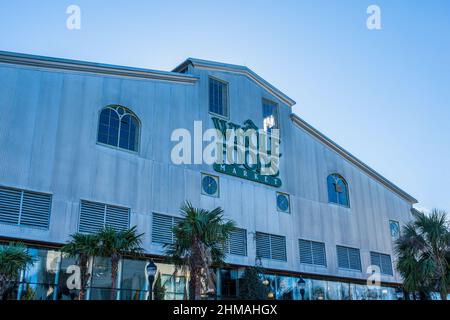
{"type": "Point", "coordinates": [118, 127]}
{"type": "Point", "coordinates": [338, 190]}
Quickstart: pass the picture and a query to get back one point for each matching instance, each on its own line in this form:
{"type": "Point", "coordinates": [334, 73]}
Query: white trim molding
{"type": "Point", "coordinates": [212, 65]}
{"type": "Point", "coordinates": [352, 159]}
{"type": "Point", "coordinates": [91, 67]}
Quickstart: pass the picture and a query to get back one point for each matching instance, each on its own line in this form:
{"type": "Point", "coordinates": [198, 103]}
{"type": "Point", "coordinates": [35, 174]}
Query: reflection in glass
{"type": "Point", "coordinates": [174, 286]}
{"type": "Point", "coordinates": [358, 292]}
{"type": "Point", "coordinates": [133, 284]}
{"type": "Point", "coordinates": [228, 285]}
{"type": "Point", "coordinates": [64, 291]}
{"type": "Point", "coordinates": [318, 289]}
{"type": "Point", "coordinates": [44, 268]}
{"type": "Point", "coordinates": [101, 279]}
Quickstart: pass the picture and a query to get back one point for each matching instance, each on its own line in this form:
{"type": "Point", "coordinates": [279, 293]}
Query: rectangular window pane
{"type": "Point", "coordinates": [218, 95]}
{"type": "Point", "coordinates": [101, 277]}
{"type": "Point", "coordinates": [270, 115]}
{"type": "Point", "coordinates": [45, 267]}
{"type": "Point", "coordinates": [134, 283]}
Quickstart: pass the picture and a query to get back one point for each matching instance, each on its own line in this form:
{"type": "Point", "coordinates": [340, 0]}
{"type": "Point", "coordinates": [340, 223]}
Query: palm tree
{"type": "Point", "coordinates": [13, 259]}
{"type": "Point", "coordinates": [115, 244]}
{"type": "Point", "coordinates": [82, 247]}
{"type": "Point", "coordinates": [423, 251]}
{"type": "Point", "coordinates": [199, 241]}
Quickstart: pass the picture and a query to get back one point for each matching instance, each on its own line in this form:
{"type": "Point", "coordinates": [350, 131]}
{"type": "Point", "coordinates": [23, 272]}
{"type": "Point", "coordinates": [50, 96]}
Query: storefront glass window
{"type": "Point", "coordinates": [318, 290]}
{"type": "Point", "coordinates": [229, 283]}
{"type": "Point", "coordinates": [287, 288]}
{"type": "Point", "coordinates": [66, 284]}
{"type": "Point", "coordinates": [174, 287]}
{"type": "Point", "coordinates": [101, 279]}
{"type": "Point", "coordinates": [40, 277]}
{"type": "Point", "coordinates": [134, 284]}
{"type": "Point", "coordinates": [359, 292]}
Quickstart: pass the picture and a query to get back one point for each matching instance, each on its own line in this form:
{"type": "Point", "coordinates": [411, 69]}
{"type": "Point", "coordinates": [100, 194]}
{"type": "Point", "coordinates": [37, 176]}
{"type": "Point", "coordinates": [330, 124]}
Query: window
{"type": "Point", "coordinates": [271, 246]}
{"type": "Point", "coordinates": [283, 203]}
{"type": "Point", "coordinates": [237, 242]}
{"type": "Point", "coordinates": [395, 229]}
{"type": "Point", "coordinates": [383, 261]}
{"type": "Point", "coordinates": [162, 226]}
{"type": "Point", "coordinates": [95, 216]}
{"type": "Point", "coordinates": [270, 115]}
{"type": "Point", "coordinates": [25, 208]}
{"type": "Point", "coordinates": [174, 287]}
{"type": "Point", "coordinates": [101, 279]}
{"type": "Point", "coordinates": [312, 252]}
{"type": "Point", "coordinates": [210, 185]}
{"type": "Point", "coordinates": [348, 258]}
{"type": "Point", "coordinates": [41, 277]}
{"type": "Point", "coordinates": [119, 127]}
{"type": "Point", "coordinates": [218, 97]}
{"type": "Point", "coordinates": [338, 190]}
{"type": "Point", "coordinates": [133, 281]}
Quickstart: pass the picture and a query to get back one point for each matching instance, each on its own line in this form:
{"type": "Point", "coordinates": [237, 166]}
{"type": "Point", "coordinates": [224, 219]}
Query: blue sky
{"type": "Point", "coordinates": [384, 95]}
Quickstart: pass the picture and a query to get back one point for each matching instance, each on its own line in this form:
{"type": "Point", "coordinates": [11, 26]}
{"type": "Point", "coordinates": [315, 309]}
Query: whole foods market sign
{"type": "Point", "coordinates": [248, 152]}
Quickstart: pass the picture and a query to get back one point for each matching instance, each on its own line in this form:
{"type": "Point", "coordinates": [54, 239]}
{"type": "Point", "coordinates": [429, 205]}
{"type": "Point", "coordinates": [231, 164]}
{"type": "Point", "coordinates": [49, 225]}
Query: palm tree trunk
{"type": "Point", "coordinates": [3, 285]}
{"type": "Point", "coordinates": [114, 271]}
{"type": "Point", "coordinates": [84, 276]}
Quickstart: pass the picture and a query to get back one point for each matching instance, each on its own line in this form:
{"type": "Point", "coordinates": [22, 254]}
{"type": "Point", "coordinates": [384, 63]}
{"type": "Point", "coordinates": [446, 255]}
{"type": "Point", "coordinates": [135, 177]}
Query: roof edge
{"type": "Point", "coordinates": [92, 67]}
{"type": "Point", "coordinates": [351, 158]}
{"type": "Point", "coordinates": [213, 65]}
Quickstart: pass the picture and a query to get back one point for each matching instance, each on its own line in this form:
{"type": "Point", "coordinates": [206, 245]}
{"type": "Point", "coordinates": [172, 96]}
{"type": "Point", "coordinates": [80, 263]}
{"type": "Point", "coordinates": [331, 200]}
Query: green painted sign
{"type": "Point", "coordinates": [245, 170]}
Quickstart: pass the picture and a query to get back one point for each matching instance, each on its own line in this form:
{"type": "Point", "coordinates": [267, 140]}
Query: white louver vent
{"type": "Point", "coordinates": [383, 261]}
{"type": "Point", "coordinates": [269, 246]}
{"type": "Point", "coordinates": [348, 258]}
{"type": "Point", "coordinates": [95, 216]}
{"type": "Point", "coordinates": [25, 208]}
{"type": "Point", "coordinates": [312, 252]}
{"type": "Point", "coordinates": [162, 228]}
{"type": "Point", "coordinates": [237, 242]}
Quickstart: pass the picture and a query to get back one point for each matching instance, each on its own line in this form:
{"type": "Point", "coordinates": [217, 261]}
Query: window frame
{"type": "Point", "coordinates": [390, 230]}
{"type": "Point", "coordinates": [277, 108]}
{"type": "Point", "coordinates": [227, 84]}
{"type": "Point", "coordinates": [139, 129]}
{"type": "Point", "coordinates": [334, 174]}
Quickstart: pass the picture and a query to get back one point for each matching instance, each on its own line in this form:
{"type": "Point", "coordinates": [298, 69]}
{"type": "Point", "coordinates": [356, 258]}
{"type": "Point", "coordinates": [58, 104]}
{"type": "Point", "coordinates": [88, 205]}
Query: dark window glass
{"type": "Point", "coordinates": [270, 115]}
{"type": "Point", "coordinates": [218, 97]}
{"type": "Point", "coordinates": [118, 127]}
{"type": "Point", "coordinates": [337, 190]}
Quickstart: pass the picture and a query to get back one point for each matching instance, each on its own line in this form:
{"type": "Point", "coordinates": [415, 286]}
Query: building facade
{"type": "Point", "coordinates": [84, 145]}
